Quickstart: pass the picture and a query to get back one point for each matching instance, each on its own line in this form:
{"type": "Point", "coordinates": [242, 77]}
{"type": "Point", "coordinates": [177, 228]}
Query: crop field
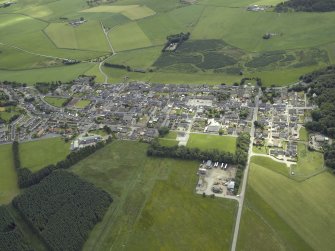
{"type": "Point", "coordinates": [55, 101]}
{"type": "Point", "coordinates": [154, 207]}
{"type": "Point", "coordinates": [38, 154]}
{"type": "Point", "coordinates": [282, 214]}
{"type": "Point", "coordinates": [8, 179]}
{"type": "Point", "coordinates": [205, 142]}
{"type": "Point", "coordinates": [138, 30]}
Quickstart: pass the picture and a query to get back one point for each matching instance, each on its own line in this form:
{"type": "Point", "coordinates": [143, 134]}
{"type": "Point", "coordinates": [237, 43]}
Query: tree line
{"type": "Point", "coordinates": [306, 6]}
{"type": "Point", "coordinates": [11, 237]}
{"type": "Point", "coordinates": [62, 209]}
{"type": "Point", "coordinates": [26, 178]}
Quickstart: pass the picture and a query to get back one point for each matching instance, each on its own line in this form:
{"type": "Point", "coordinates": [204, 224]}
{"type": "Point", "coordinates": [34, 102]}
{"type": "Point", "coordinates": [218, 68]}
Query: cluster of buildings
{"type": "Point", "coordinates": [279, 123]}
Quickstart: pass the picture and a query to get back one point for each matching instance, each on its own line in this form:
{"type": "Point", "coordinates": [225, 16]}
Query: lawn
{"type": "Point", "coordinates": [168, 142]}
{"type": "Point", "coordinates": [303, 134]}
{"type": "Point", "coordinates": [155, 207]}
{"type": "Point", "coordinates": [205, 142]}
{"type": "Point", "coordinates": [82, 103]}
{"type": "Point", "coordinates": [8, 178]}
{"type": "Point", "coordinates": [271, 164]}
{"type": "Point", "coordinates": [100, 132]}
{"type": "Point", "coordinates": [38, 154]}
{"type": "Point", "coordinates": [6, 113]}
{"type": "Point", "coordinates": [283, 214]}
{"type": "Point", "coordinates": [55, 101]}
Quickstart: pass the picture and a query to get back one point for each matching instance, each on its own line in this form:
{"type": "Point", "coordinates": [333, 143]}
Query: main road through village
{"type": "Point", "coordinates": [245, 176]}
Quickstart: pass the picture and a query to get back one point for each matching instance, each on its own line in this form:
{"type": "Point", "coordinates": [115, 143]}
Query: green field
{"type": "Point", "coordinates": [67, 36]}
{"type": "Point", "coordinates": [38, 154]}
{"type": "Point", "coordinates": [82, 103]}
{"type": "Point", "coordinates": [282, 214]}
{"type": "Point", "coordinates": [55, 101]}
{"type": "Point", "coordinates": [309, 162]}
{"type": "Point", "coordinates": [138, 30]}
{"type": "Point", "coordinates": [8, 179]}
{"type": "Point", "coordinates": [6, 113]}
{"type": "Point", "coordinates": [155, 207]}
{"type": "Point", "coordinates": [205, 142]}
{"type": "Point", "coordinates": [303, 134]}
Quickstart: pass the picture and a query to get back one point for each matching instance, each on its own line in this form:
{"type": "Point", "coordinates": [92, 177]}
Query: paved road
{"type": "Point", "coordinates": [245, 177]}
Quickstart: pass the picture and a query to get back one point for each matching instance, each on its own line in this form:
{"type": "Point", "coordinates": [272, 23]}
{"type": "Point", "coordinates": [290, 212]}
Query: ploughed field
{"type": "Point", "coordinates": [225, 41]}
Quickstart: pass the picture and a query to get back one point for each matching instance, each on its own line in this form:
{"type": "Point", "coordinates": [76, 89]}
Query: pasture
{"type": "Point", "coordinates": [138, 30]}
{"type": "Point", "coordinates": [38, 154]}
{"type": "Point", "coordinates": [67, 36]}
{"type": "Point", "coordinates": [8, 178]}
{"type": "Point", "coordinates": [283, 214]}
{"type": "Point", "coordinates": [154, 206]}
{"type": "Point", "coordinates": [206, 142]}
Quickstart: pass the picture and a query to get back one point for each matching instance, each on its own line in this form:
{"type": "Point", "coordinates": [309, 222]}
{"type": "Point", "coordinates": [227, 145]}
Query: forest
{"type": "Point", "coordinates": [63, 209]}
{"type": "Point", "coordinates": [11, 237]}
{"type": "Point", "coordinates": [306, 6]}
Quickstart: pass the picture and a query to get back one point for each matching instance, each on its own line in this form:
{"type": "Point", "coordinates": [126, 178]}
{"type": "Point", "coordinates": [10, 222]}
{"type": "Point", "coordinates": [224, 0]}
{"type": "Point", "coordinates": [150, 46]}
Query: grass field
{"type": "Point", "coordinates": [8, 179]}
{"type": "Point", "coordinates": [303, 134]}
{"type": "Point", "coordinates": [38, 154]}
{"type": "Point", "coordinates": [82, 103]}
{"type": "Point", "coordinates": [205, 142]}
{"type": "Point", "coordinates": [129, 36]}
{"type": "Point", "coordinates": [283, 214]}
{"type": "Point", "coordinates": [138, 30]}
{"type": "Point", "coordinates": [55, 101]}
{"type": "Point", "coordinates": [155, 207]}
{"type": "Point", "coordinates": [67, 36]}
{"type": "Point", "coordinates": [133, 12]}
{"type": "Point", "coordinates": [6, 113]}
{"type": "Point", "coordinates": [309, 162]}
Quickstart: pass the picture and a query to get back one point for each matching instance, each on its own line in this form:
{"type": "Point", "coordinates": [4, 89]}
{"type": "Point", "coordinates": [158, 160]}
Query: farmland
{"type": "Point", "coordinates": [38, 154]}
{"type": "Point", "coordinates": [154, 204]}
{"type": "Point", "coordinates": [8, 180]}
{"type": "Point", "coordinates": [283, 214]}
{"type": "Point", "coordinates": [206, 142]}
{"type": "Point", "coordinates": [36, 37]}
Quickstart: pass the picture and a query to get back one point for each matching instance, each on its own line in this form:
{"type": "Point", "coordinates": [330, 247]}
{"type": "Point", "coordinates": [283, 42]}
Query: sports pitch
{"type": "Point", "coordinates": [138, 29]}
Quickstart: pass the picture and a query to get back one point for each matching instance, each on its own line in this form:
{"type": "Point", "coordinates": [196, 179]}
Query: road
{"type": "Point", "coordinates": [113, 53]}
{"type": "Point", "coordinates": [245, 176]}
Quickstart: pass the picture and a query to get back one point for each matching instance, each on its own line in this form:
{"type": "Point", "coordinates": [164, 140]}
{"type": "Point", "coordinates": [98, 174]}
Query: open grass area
{"type": "Point", "coordinates": [167, 142]}
{"type": "Point", "coordinates": [129, 36]}
{"type": "Point", "coordinates": [67, 36]}
{"type": "Point", "coordinates": [205, 142]}
{"type": "Point", "coordinates": [38, 154]}
{"type": "Point", "coordinates": [133, 12]}
{"type": "Point", "coordinates": [55, 101]}
{"type": "Point", "coordinates": [138, 30]}
{"type": "Point", "coordinates": [100, 132]}
{"type": "Point", "coordinates": [8, 178]}
{"type": "Point", "coordinates": [309, 162]}
{"type": "Point", "coordinates": [82, 103]}
{"type": "Point", "coordinates": [271, 164]}
{"type": "Point", "coordinates": [303, 134]}
{"type": "Point", "coordinates": [6, 113]}
{"type": "Point", "coordinates": [283, 214]}
{"type": "Point", "coordinates": [155, 207]}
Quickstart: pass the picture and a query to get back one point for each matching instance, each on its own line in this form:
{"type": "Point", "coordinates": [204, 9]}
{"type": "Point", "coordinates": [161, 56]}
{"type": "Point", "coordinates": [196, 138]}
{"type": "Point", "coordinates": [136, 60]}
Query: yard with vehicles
{"type": "Point", "coordinates": [154, 204]}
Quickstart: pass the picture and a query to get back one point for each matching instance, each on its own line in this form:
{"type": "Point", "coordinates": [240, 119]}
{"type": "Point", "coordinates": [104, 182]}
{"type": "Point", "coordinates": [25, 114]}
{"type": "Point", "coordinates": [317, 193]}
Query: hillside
{"type": "Point", "coordinates": [307, 6]}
